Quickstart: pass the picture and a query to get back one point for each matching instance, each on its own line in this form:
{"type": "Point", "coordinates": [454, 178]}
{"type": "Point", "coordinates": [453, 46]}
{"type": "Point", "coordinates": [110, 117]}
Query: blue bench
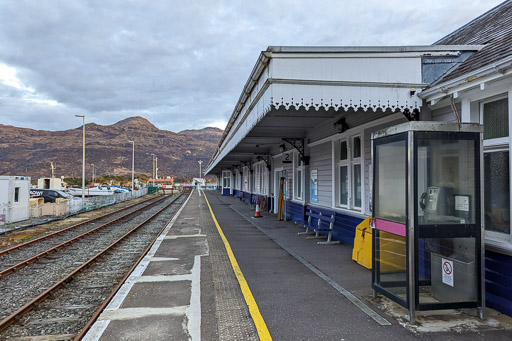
{"type": "Point", "coordinates": [320, 220]}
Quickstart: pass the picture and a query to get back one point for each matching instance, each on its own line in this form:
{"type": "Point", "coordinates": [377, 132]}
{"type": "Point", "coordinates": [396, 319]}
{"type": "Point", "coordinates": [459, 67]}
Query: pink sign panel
{"type": "Point", "coordinates": [391, 227]}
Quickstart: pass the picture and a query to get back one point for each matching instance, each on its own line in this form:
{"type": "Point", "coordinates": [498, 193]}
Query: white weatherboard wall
{"type": "Point", "coordinates": [321, 160]}
{"type": "Point", "coordinates": [14, 199]}
{"type": "Point", "coordinates": [354, 67]}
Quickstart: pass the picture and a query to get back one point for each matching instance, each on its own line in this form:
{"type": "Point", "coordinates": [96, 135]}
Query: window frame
{"type": "Point", "coordinates": [500, 144]}
{"type": "Point", "coordinates": [260, 178]}
{"type": "Point", "coordinates": [17, 194]}
{"type": "Point", "coordinates": [298, 166]}
{"type": "Point", "coordinates": [246, 186]}
{"type": "Point", "coordinates": [226, 177]}
{"type": "Point", "coordinates": [350, 162]}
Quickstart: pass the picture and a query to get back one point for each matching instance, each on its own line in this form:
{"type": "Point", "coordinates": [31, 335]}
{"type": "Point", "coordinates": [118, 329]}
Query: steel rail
{"type": "Point", "coordinates": [5, 323]}
{"type": "Point", "coordinates": [27, 243]}
{"type": "Point", "coordinates": [43, 254]}
{"type": "Point", "coordinates": [98, 312]}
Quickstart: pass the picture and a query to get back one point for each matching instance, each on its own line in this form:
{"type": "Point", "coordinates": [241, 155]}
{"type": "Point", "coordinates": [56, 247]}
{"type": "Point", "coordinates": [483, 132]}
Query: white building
{"type": "Point", "coordinates": [14, 199]}
{"type": "Point", "coordinates": [51, 183]}
{"type": "Point", "coordinates": [306, 115]}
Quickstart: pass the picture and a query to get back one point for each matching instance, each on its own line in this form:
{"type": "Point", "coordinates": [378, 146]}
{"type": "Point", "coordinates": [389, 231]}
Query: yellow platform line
{"type": "Point", "coordinates": [261, 327]}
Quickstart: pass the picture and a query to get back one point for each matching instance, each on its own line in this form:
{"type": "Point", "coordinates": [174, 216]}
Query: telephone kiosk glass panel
{"type": "Point", "coordinates": [446, 181]}
{"type": "Point", "coordinates": [427, 202]}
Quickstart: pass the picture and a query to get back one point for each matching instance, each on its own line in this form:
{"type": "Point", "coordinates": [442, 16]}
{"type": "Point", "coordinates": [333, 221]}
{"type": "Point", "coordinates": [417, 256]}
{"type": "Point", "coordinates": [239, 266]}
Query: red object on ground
{"type": "Point", "coordinates": [257, 212]}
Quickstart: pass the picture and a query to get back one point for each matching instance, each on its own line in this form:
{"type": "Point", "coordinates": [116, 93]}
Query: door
{"type": "Point", "coordinates": [19, 201]}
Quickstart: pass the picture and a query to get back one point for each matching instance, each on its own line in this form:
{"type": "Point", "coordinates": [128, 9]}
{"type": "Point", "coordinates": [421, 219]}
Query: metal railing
{"type": "Point", "coordinates": [77, 206]}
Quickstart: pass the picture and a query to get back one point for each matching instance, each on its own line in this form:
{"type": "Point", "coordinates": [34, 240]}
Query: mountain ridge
{"type": "Point", "coordinates": [28, 152]}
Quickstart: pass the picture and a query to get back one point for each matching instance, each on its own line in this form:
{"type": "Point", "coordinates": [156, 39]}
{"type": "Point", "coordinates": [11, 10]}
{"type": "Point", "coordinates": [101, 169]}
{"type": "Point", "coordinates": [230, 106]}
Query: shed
{"type": "Point", "coordinates": [50, 183]}
{"type": "Point", "coordinates": [14, 199]}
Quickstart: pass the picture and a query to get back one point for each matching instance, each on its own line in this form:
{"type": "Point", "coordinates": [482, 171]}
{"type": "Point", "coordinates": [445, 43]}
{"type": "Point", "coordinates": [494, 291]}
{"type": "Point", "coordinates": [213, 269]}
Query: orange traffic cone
{"type": "Point", "coordinates": [257, 212]}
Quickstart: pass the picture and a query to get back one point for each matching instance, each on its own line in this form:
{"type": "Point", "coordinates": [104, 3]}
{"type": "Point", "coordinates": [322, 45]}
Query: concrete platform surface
{"type": "Point", "coordinates": [186, 288]}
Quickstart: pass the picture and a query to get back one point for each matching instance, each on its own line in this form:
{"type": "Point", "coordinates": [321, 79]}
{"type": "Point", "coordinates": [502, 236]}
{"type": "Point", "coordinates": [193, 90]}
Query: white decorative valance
{"type": "Point", "coordinates": [344, 98]}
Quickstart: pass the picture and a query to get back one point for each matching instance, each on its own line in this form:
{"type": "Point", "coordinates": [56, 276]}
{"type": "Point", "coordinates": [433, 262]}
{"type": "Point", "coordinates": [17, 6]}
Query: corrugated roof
{"type": "Point", "coordinates": [493, 29]}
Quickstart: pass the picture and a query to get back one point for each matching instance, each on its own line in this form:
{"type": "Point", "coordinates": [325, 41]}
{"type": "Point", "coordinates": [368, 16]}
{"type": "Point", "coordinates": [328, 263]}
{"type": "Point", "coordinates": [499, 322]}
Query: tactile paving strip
{"type": "Point", "coordinates": [234, 320]}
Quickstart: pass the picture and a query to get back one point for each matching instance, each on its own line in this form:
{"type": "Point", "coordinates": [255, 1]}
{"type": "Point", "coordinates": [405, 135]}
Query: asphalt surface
{"type": "Point", "coordinates": [295, 302]}
{"type": "Point", "coordinates": [186, 288]}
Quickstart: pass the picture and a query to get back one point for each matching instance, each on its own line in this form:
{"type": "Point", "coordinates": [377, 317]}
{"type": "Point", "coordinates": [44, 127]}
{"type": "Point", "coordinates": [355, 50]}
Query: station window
{"type": "Point", "coordinates": [348, 173]}
{"type": "Point", "coordinates": [245, 176]}
{"type": "Point", "coordinates": [16, 194]}
{"type": "Point", "coordinates": [495, 116]}
{"type": "Point", "coordinates": [260, 178]}
{"type": "Point", "coordinates": [238, 180]}
{"type": "Point", "coordinates": [226, 179]}
{"type": "Point", "coordinates": [298, 177]}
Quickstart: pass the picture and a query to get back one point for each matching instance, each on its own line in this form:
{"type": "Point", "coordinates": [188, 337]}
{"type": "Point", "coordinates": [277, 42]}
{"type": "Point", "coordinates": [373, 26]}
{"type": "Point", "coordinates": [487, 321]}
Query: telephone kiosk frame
{"type": "Point", "coordinates": [427, 211]}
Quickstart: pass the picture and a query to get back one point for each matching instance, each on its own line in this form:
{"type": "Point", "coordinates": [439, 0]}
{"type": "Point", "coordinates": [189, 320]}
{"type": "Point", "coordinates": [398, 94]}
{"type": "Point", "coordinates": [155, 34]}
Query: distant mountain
{"type": "Point", "coordinates": [28, 152]}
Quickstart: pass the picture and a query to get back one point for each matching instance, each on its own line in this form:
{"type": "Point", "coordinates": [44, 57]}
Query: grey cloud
{"type": "Point", "coordinates": [182, 63]}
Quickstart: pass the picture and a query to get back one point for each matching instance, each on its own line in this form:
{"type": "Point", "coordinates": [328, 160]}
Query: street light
{"type": "Point", "coordinates": [153, 174]}
{"type": "Point", "coordinates": [156, 167]}
{"type": "Point", "coordinates": [200, 172]}
{"type": "Point", "coordinates": [93, 177]}
{"type": "Point", "coordinates": [133, 160]}
{"type": "Point", "coordinates": [83, 157]}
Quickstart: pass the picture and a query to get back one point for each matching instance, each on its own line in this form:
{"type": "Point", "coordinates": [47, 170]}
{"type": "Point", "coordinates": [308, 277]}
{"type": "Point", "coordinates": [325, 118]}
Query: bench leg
{"type": "Point", "coordinates": [306, 232]}
{"type": "Point", "coordinates": [329, 240]}
{"type": "Point", "coordinates": [316, 236]}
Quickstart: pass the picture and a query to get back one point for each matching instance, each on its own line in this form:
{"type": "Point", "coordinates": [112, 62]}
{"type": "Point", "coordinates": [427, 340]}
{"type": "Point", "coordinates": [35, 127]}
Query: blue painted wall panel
{"type": "Point", "coordinates": [498, 281]}
{"type": "Point", "coordinates": [345, 228]}
{"type": "Point", "coordinates": [226, 191]}
{"type": "Point", "coordinates": [295, 212]}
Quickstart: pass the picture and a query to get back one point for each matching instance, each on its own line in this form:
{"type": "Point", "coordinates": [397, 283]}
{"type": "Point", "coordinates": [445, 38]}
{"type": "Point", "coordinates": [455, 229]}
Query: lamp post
{"type": "Point", "coordinates": [153, 174]}
{"type": "Point", "coordinates": [156, 167]}
{"type": "Point", "coordinates": [93, 176]}
{"type": "Point", "coordinates": [133, 161]}
{"type": "Point", "coordinates": [200, 172]}
{"type": "Point", "coordinates": [83, 157]}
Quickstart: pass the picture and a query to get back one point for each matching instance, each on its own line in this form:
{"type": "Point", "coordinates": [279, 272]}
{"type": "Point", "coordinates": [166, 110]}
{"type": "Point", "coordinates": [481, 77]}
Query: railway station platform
{"type": "Point", "coordinates": [217, 273]}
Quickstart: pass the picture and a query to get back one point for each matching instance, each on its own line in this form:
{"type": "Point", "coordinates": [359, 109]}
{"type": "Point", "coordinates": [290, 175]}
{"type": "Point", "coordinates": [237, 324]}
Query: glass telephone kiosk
{"type": "Point", "coordinates": [427, 216]}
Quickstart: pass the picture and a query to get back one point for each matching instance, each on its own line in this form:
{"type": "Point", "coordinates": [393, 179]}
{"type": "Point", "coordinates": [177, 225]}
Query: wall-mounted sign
{"type": "Point", "coordinates": [447, 271]}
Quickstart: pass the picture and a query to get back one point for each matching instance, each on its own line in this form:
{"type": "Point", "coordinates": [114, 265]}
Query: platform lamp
{"type": "Point", "coordinates": [133, 161]}
{"type": "Point", "coordinates": [200, 172]}
{"type": "Point", "coordinates": [153, 174]}
{"type": "Point", "coordinates": [83, 158]}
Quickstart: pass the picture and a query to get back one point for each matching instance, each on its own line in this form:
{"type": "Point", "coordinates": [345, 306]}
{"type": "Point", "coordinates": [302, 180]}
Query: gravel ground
{"type": "Point", "coordinates": [20, 236]}
{"type": "Point", "coordinates": [19, 288]}
{"type": "Point", "coordinates": [15, 256]}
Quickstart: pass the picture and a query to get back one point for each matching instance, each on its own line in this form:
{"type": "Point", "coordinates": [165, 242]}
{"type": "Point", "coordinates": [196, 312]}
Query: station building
{"type": "Point", "coordinates": [305, 118]}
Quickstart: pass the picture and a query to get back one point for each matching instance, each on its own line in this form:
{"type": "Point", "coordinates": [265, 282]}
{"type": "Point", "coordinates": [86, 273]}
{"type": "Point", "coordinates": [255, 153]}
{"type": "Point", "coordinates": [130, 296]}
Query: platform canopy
{"type": "Point", "coordinates": [292, 90]}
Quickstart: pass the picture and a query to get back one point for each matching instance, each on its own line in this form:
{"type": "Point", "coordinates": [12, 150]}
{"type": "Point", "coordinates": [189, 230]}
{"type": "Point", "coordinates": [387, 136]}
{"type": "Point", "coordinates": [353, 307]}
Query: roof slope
{"type": "Point", "coordinates": [493, 29]}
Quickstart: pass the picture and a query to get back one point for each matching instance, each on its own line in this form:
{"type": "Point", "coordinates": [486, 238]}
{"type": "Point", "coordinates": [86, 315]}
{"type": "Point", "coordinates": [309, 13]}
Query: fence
{"type": "Point", "coordinates": [40, 214]}
{"type": "Point", "coordinates": [92, 203]}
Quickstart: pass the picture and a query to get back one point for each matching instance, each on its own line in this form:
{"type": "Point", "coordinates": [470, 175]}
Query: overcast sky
{"type": "Point", "coordinates": [180, 64]}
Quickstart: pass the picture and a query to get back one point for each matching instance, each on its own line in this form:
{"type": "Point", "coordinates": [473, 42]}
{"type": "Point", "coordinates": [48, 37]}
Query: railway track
{"type": "Point", "coordinates": [19, 256]}
{"type": "Point", "coordinates": [57, 295]}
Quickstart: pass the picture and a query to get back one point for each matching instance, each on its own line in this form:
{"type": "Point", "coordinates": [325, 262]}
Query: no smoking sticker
{"type": "Point", "coordinates": [447, 271]}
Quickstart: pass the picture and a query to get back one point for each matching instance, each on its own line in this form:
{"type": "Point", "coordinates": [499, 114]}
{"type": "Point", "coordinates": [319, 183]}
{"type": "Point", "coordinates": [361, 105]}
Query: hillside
{"type": "Point", "coordinates": [28, 152]}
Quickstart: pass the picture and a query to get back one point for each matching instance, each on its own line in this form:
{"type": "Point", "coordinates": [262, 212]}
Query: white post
{"type": "Point", "coordinates": [133, 161]}
{"type": "Point", "coordinates": [156, 167]}
{"type": "Point", "coordinates": [153, 173]}
{"type": "Point", "coordinates": [83, 158]}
